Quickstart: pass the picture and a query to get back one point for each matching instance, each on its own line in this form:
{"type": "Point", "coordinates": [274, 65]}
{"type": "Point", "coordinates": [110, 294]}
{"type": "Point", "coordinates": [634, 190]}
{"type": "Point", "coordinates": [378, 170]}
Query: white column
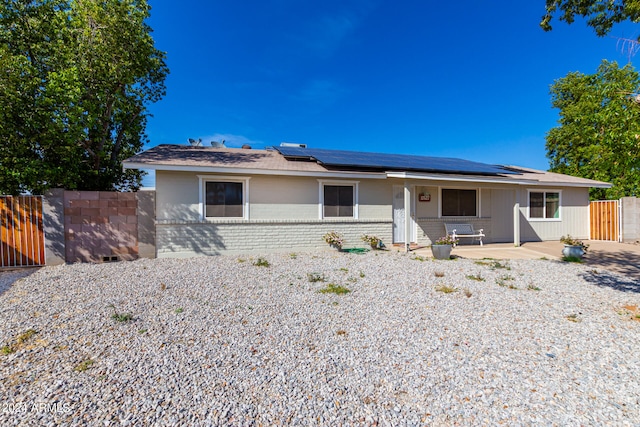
{"type": "Point", "coordinates": [516, 224]}
{"type": "Point", "coordinates": [407, 216]}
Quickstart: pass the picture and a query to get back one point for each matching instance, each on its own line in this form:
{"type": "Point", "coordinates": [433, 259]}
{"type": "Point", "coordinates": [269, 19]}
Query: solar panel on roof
{"type": "Point", "coordinates": [404, 162]}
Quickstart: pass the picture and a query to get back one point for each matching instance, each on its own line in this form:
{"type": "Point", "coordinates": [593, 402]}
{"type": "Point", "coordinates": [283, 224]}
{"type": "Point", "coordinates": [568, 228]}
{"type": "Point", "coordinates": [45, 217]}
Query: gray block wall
{"type": "Point", "coordinates": [53, 221]}
{"type": "Point", "coordinates": [146, 224]}
{"type": "Point", "coordinates": [241, 237]}
{"type": "Point", "coordinates": [630, 219]}
{"type": "Point", "coordinates": [58, 225]}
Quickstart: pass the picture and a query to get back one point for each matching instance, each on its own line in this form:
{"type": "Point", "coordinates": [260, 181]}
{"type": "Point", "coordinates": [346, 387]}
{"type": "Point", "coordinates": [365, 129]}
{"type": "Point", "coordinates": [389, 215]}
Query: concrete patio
{"type": "Point", "coordinates": [623, 258]}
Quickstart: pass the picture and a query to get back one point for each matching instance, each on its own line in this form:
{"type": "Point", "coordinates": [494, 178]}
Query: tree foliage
{"type": "Point", "coordinates": [599, 132]}
{"type": "Point", "coordinates": [76, 77]}
{"type": "Point", "coordinates": [601, 15]}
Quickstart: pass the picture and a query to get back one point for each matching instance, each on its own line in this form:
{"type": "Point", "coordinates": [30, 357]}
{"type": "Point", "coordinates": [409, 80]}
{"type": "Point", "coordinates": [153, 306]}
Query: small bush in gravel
{"type": "Point", "coordinates": [446, 289]}
{"type": "Point", "coordinates": [332, 288]}
{"type": "Point", "coordinates": [501, 281]}
{"type": "Point", "coordinates": [179, 310]}
{"type": "Point", "coordinates": [497, 265]}
{"type": "Point", "coordinates": [25, 336]}
{"type": "Point", "coordinates": [419, 258]}
{"type": "Point", "coordinates": [20, 340]}
{"type": "Point", "coordinates": [439, 273]}
{"type": "Point", "coordinates": [630, 310]}
{"type": "Point", "coordinates": [477, 277]}
{"type": "Point", "coordinates": [120, 317]}
{"type": "Point", "coordinates": [533, 288]}
{"type": "Point", "coordinates": [467, 293]}
{"type": "Point", "coordinates": [315, 277]}
{"type": "Point", "coordinates": [84, 365]}
{"type": "Point", "coordinates": [261, 262]}
{"type": "Point", "coordinates": [493, 264]}
{"type": "Point", "coordinates": [573, 318]}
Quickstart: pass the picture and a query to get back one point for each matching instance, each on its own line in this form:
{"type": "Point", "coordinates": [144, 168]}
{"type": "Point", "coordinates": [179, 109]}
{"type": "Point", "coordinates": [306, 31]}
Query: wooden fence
{"type": "Point", "coordinates": [605, 220]}
{"type": "Point", "coordinates": [21, 231]}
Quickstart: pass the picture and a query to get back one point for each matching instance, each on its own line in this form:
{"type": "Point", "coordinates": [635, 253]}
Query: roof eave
{"type": "Point", "coordinates": [253, 171]}
{"type": "Point", "coordinates": [498, 180]}
{"type": "Point", "coordinates": [475, 178]}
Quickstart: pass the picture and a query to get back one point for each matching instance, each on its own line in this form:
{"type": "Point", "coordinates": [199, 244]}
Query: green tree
{"type": "Point", "coordinates": [601, 15]}
{"type": "Point", "coordinates": [76, 77]}
{"type": "Point", "coordinates": [599, 132]}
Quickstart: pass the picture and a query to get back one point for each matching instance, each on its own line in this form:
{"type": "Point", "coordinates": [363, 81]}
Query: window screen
{"type": "Point", "coordinates": [338, 201]}
{"type": "Point", "coordinates": [223, 200]}
{"type": "Point", "coordinates": [544, 205]}
{"type": "Point", "coordinates": [457, 202]}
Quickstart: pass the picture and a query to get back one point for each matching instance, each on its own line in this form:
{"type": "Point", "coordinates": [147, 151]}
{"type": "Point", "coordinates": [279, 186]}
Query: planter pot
{"type": "Point", "coordinates": [441, 251]}
{"type": "Point", "coordinates": [572, 251]}
{"type": "Point", "coordinates": [336, 247]}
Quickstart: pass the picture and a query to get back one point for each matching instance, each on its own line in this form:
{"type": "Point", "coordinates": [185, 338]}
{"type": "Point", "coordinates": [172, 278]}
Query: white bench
{"type": "Point", "coordinates": [464, 230]}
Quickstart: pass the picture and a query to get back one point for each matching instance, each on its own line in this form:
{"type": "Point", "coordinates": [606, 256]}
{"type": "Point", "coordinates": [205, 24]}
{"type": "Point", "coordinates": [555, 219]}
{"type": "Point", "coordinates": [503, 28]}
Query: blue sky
{"type": "Point", "coordinates": [464, 79]}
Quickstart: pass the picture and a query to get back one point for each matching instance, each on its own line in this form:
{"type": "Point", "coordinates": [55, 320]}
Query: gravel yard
{"type": "Point", "coordinates": [223, 341]}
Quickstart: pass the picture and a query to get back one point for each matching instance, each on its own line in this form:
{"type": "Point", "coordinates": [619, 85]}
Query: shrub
{"type": "Point", "coordinates": [446, 240]}
{"type": "Point", "coordinates": [334, 238]}
{"type": "Point", "coordinates": [332, 288]}
{"type": "Point", "coordinates": [571, 241]}
{"type": "Point", "coordinates": [374, 241]}
{"type": "Point", "coordinates": [261, 262]}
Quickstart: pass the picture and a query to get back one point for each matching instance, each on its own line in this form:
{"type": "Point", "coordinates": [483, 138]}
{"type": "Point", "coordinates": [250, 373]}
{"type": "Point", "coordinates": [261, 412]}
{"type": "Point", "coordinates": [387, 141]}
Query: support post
{"type": "Point", "coordinates": [407, 216]}
{"type": "Point", "coordinates": [516, 224]}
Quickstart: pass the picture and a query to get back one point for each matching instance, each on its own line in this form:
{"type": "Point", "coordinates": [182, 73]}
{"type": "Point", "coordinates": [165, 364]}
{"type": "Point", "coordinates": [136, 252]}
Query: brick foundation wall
{"type": "Point", "coordinates": [100, 226]}
{"type": "Point", "coordinates": [239, 237]}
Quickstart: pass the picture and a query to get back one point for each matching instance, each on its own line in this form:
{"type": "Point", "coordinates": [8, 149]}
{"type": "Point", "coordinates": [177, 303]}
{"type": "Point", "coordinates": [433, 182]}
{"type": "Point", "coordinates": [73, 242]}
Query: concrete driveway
{"type": "Point", "coordinates": [623, 258]}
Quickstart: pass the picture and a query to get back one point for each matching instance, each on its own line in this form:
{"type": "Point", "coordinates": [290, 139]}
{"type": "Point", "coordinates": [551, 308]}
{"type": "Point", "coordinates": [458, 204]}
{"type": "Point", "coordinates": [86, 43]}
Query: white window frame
{"type": "Point", "coordinates": [478, 191]}
{"type": "Point", "coordinates": [323, 182]}
{"type": "Point", "coordinates": [203, 179]}
{"type": "Point", "coordinates": [544, 211]}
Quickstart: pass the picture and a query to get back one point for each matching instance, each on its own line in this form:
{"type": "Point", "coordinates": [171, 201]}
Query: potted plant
{"type": "Point", "coordinates": [573, 248]}
{"type": "Point", "coordinates": [373, 241]}
{"type": "Point", "coordinates": [441, 248]}
{"type": "Point", "coordinates": [334, 239]}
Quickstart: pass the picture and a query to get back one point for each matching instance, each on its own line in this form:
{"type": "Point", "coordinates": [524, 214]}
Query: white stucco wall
{"type": "Point", "coordinates": [270, 197]}
{"type": "Point", "coordinates": [177, 196]}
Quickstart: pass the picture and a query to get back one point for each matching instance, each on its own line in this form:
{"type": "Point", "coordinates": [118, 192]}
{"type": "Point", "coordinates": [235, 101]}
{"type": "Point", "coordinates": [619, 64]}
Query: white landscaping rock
{"type": "Point", "coordinates": [221, 341]}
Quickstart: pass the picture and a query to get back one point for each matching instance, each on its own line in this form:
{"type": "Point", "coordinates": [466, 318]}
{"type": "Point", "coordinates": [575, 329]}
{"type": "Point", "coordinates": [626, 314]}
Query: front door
{"type": "Point", "coordinates": [399, 217]}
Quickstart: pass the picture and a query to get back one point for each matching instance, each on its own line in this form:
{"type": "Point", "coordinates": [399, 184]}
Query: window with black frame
{"type": "Point", "coordinates": [223, 199]}
{"type": "Point", "coordinates": [459, 202]}
{"type": "Point", "coordinates": [338, 201]}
